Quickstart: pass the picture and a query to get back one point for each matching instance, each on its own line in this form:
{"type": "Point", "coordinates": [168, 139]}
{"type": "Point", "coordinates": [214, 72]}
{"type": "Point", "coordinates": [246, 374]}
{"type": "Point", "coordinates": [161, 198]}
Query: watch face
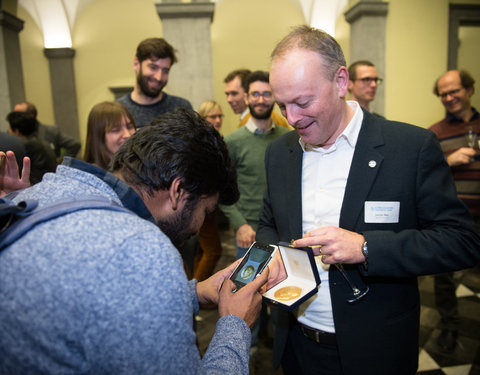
{"type": "Point", "coordinates": [365, 249]}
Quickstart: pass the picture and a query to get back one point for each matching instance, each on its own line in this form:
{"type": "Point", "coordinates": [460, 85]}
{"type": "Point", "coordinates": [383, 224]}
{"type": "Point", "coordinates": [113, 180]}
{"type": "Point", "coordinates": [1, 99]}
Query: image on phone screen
{"type": "Point", "coordinates": [253, 263]}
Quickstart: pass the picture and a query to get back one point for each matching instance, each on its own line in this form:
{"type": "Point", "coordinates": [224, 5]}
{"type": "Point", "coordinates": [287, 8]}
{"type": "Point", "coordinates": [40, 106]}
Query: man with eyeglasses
{"type": "Point", "coordinates": [236, 91]}
{"type": "Point", "coordinates": [455, 88]}
{"type": "Point", "coordinates": [247, 147]}
{"type": "Point", "coordinates": [363, 82]}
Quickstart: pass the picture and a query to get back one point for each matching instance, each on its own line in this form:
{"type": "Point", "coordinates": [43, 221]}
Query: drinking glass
{"type": "Point", "coordinates": [358, 294]}
{"type": "Point", "coordinates": [471, 137]}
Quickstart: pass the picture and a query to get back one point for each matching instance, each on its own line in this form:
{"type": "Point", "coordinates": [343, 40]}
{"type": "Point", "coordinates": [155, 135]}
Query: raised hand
{"type": "Point", "coordinates": [9, 178]}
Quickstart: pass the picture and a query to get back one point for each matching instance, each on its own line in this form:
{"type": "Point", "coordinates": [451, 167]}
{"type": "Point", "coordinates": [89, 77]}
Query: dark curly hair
{"type": "Point", "coordinates": [256, 76]}
{"type": "Point", "coordinates": [179, 144]}
{"type": "Point", "coordinates": [155, 48]}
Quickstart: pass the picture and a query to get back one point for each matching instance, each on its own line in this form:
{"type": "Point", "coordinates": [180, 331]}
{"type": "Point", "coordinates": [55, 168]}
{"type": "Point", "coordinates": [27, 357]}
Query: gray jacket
{"type": "Point", "coordinates": [103, 292]}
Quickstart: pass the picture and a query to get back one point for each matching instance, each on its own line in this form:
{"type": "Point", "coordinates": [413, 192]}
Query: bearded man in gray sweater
{"type": "Point", "coordinates": [98, 291]}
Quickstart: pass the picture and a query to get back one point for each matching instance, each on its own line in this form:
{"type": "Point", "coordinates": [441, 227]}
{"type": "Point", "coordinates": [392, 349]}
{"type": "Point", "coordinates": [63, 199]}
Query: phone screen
{"type": "Point", "coordinates": [253, 263]}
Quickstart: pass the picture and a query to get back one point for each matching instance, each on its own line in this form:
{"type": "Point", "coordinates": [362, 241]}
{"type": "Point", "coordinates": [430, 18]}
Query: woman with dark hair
{"type": "Point", "coordinates": [109, 126]}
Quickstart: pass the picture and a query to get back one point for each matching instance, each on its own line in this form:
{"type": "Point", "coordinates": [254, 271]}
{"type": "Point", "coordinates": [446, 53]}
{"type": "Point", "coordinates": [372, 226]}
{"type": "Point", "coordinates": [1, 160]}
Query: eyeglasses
{"type": "Point", "coordinates": [444, 95]}
{"type": "Point", "coordinates": [369, 80]}
{"type": "Point", "coordinates": [267, 95]}
{"type": "Point", "coordinates": [214, 116]}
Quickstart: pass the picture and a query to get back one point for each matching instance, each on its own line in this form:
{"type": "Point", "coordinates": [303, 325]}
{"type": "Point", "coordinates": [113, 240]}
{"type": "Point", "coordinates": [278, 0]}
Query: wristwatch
{"type": "Point", "coordinates": [365, 251]}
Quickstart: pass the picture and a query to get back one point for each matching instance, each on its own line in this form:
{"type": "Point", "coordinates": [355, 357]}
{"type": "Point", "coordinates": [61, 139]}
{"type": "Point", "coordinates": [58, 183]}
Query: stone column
{"type": "Point", "coordinates": [186, 26]}
{"type": "Point", "coordinates": [367, 41]}
{"type": "Point", "coordinates": [12, 88]}
{"type": "Point", "coordinates": [64, 94]}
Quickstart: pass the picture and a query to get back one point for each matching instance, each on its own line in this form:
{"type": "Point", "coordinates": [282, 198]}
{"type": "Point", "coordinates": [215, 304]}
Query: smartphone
{"type": "Point", "coordinates": [252, 264]}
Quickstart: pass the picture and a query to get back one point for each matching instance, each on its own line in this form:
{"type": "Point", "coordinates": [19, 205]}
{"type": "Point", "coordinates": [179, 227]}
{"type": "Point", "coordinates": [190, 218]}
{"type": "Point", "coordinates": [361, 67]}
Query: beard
{"type": "Point", "coordinates": [143, 83]}
{"type": "Point", "coordinates": [260, 115]}
{"type": "Point", "coordinates": [178, 227]}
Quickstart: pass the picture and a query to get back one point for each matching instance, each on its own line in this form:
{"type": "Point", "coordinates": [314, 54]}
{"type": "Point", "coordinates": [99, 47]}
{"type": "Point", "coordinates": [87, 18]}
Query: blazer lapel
{"type": "Point", "coordinates": [366, 162]}
{"type": "Point", "coordinates": [293, 171]}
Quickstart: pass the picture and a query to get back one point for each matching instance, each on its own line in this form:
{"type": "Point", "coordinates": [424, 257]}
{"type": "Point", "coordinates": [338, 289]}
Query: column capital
{"type": "Point", "coordinates": [186, 10]}
{"type": "Point", "coordinates": [59, 53]}
{"type": "Point", "coordinates": [366, 8]}
{"type": "Point", "coordinates": [10, 21]}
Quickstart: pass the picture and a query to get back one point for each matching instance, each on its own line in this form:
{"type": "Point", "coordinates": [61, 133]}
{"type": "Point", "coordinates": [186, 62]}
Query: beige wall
{"type": "Point", "coordinates": [35, 68]}
{"type": "Point", "coordinates": [417, 34]}
{"type": "Point", "coordinates": [105, 37]}
{"type": "Point", "coordinates": [244, 33]}
{"type": "Point", "coordinates": [342, 33]}
{"type": "Point", "coordinates": [417, 42]}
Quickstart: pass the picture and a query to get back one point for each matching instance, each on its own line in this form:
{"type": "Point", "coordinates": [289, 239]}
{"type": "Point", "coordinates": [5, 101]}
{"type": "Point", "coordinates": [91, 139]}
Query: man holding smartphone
{"type": "Point", "coordinates": [105, 292]}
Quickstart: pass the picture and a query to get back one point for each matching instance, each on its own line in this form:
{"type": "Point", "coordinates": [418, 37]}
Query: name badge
{"type": "Point", "coordinates": [382, 212]}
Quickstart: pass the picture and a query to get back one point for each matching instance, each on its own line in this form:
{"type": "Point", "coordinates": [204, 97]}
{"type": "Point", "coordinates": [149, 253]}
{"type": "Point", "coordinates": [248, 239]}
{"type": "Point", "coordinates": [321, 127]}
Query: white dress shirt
{"type": "Point", "coordinates": [324, 178]}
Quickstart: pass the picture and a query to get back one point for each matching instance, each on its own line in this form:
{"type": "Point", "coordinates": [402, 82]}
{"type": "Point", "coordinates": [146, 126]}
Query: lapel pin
{"type": "Point", "coordinates": [372, 163]}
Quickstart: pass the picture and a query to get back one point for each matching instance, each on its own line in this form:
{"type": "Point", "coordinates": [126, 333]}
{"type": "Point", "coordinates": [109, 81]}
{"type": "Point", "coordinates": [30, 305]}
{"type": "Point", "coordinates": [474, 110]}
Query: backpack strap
{"type": "Point", "coordinates": [27, 214]}
{"type": "Point", "coordinates": [11, 211]}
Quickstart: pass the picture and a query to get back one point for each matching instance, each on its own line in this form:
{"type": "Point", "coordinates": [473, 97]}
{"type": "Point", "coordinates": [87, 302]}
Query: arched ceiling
{"type": "Point", "coordinates": [56, 18]}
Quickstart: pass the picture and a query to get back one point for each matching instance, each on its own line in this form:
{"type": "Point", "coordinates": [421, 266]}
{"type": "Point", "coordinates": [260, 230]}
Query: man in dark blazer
{"type": "Point", "coordinates": [374, 195]}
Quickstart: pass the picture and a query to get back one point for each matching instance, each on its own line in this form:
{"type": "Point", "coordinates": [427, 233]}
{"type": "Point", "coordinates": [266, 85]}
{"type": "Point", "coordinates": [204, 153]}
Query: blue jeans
{"type": "Point", "coordinates": [241, 251]}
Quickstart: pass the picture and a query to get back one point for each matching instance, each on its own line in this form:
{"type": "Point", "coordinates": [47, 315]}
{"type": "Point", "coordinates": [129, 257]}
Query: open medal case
{"type": "Point", "coordinates": [302, 279]}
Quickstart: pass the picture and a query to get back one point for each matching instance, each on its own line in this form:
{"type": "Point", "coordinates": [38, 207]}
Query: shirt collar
{"type": "Point", "coordinates": [244, 113]}
{"type": "Point", "coordinates": [252, 128]}
{"type": "Point", "coordinates": [129, 198]}
{"type": "Point", "coordinates": [349, 134]}
{"type": "Point", "coordinates": [452, 118]}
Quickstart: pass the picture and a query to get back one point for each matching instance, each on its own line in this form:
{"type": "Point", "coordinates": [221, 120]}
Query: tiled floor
{"type": "Point", "coordinates": [465, 360]}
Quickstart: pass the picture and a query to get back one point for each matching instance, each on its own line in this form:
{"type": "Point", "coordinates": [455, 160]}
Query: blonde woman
{"type": "Point", "coordinates": [212, 112]}
{"type": "Point", "coordinates": [209, 247]}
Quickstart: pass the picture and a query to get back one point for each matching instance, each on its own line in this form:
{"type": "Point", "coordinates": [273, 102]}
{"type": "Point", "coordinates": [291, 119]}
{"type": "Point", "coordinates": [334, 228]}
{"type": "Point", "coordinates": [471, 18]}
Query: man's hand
{"type": "Point", "coordinates": [336, 245]}
{"type": "Point", "coordinates": [9, 179]}
{"type": "Point", "coordinates": [245, 236]}
{"type": "Point", "coordinates": [207, 290]}
{"type": "Point", "coordinates": [246, 302]}
{"type": "Point", "coordinates": [277, 271]}
{"type": "Point", "coordinates": [463, 155]}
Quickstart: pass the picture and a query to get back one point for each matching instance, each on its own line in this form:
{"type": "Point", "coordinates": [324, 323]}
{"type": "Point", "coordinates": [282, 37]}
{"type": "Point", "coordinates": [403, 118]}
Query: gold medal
{"type": "Point", "coordinates": [288, 293]}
